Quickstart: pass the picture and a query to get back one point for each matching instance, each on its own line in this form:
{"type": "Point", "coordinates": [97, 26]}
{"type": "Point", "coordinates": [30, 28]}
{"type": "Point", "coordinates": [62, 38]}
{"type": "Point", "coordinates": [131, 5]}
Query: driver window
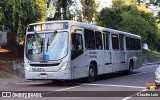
{"type": "Point", "coordinates": [77, 42]}
{"type": "Point", "coordinates": [77, 45]}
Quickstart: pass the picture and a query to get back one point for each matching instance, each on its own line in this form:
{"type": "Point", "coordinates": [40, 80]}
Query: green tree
{"type": "Point", "coordinates": [130, 18]}
{"type": "Point", "coordinates": [152, 1]}
{"type": "Point", "coordinates": [121, 3]}
{"type": "Point", "coordinates": [157, 42]}
{"type": "Point", "coordinates": [109, 18]}
{"type": "Point", "coordinates": [118, 3]}
{"type": "Point", "coordinates": [17, 14]}
{"type": "Point", "coordinates": [155, 2]}
{"type": "Point", "coordinates": [88, 10]}
{"type": "Point", "coordinates": [135, 24]}
{"type": "Point", "coordinates": [152, 35]}
{"type": "Point", "coordinates": [33, 11]}
{"type": "Point", "coordinates": [158, 2]}
{"type": "Point", "coordinates": [63, 10]}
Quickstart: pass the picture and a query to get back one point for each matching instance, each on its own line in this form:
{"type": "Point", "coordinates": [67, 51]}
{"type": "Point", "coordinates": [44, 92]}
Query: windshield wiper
{"type": "Point", "coordinates": [41, 45]}
{"type": "Point", "coordinates": [49, 41]}
{"type": "Point", "coordinates": [47, 44]}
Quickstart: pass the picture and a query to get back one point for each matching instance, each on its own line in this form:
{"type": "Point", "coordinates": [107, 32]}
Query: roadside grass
{"type": "Point", "coordinates": [150, 54]}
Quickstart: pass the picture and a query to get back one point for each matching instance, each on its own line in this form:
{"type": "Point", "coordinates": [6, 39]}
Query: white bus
{"type": "Point", "coordinates": [66, 50]}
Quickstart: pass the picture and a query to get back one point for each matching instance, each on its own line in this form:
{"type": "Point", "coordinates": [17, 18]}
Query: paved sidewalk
{"type": "Point", "coordinates": [6, 78]}
{"type": "Point", "coordinates": [14, 79]}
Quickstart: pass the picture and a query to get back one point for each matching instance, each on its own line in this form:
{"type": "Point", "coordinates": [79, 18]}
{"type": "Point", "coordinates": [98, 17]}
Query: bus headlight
{"type": "Point", "coordinates": [26, 68]}
{"type": "Point", "coordinates": [64, 66]}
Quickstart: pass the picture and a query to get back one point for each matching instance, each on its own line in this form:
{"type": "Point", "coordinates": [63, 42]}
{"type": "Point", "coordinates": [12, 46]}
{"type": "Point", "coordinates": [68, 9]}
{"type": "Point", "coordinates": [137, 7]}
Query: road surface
{"type": "Point", "coordinates": [115, 86]}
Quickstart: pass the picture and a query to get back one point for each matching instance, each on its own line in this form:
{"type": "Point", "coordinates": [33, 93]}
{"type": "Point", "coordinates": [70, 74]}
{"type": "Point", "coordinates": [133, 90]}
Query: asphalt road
{"type": "Point", "coordinates": [115, 86]}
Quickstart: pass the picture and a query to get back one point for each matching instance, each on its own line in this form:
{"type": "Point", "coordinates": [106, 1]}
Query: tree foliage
{"type": "Point", "coordinates": [130, 18]}
{"type": "Point", "coordinates": [89, 10]}
{"type": "Point", "coordinates": [109, 18]}
{"type": "Point", "coordinates": [134, 24]}
{"type": "Point", "coordinates": [17, 14]}
{"type": "Point", "coordinates": [152, 1]}
{"type": "Point", "coordinates": [120, 3]}
{"type": "Point", "coordinates": [157, 1]}
{"type": "Point", "coordinates": [63, 10]}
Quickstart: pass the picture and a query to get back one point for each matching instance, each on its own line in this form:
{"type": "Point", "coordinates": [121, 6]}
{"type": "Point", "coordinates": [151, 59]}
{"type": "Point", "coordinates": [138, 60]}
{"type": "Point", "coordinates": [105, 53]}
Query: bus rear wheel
{"type": "Point", "coordinates": [92, 73]}
{"type": "Point", "coordinates": [130, 70]}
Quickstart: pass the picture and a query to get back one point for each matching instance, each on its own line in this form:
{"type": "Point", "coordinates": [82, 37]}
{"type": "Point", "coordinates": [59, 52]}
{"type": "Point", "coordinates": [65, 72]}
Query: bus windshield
{"type": "Point", "coordinates": [46, 46]}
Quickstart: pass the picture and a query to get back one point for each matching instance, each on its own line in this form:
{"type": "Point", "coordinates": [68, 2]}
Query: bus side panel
{"type": "Point", "coordinates": [130, 55]}
{"type": "Point", "coordinates": [80, 64]}
{"type": "Point", "coordinates": [98, 57]}
{"type": "Point", "coordinates": [80, 67]}
{"type": "Point", "coordinates": [134, 50]}
{"type": "Point", "coordinates": [116, 52]}
{"type": "Point", "coordinates": [136, 56]}
{"type": "Point", "coordinates": [138, 60]}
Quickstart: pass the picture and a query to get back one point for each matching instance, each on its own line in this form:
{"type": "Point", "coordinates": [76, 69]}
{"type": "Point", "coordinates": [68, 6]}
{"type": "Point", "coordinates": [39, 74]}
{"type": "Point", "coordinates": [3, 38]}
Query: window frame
{"type": "Point", "coordinates": [90, 43]}
{"type": "Point", "coordinates": [98, 33]}
{"type": "Point", "coordinates": [76, 52]}
{"type": "Point", "coordinates": [117, 48]}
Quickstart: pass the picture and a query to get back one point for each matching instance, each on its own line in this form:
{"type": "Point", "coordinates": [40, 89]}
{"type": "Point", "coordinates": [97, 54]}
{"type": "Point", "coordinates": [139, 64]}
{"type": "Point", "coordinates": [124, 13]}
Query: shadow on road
{"type": "Point", "coordinates": [70, 83]}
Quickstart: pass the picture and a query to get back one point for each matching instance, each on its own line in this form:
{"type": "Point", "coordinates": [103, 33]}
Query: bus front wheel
{"type": "Point", "coordinates": [92, 73]}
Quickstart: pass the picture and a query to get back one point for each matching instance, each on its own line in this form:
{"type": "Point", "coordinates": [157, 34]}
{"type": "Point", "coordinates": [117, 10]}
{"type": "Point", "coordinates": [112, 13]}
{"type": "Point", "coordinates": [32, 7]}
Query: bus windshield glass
{"type": "Point", "coordinates": [46, 46]}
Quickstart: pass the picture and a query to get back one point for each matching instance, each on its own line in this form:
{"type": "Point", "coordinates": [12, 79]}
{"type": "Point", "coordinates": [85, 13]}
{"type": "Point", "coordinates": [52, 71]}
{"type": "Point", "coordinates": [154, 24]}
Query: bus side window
{"type": "Point", "coordinates": [89, 37]}
{"type": "Point", "coordinates": [98, 37]}
{"type": "Point", "coordinates": [127, 43]}
{"type": "Point", "coordinates": [77, 45]}
{"type": "Point", "coordinates": [115, 42]}
{"type": "Point", "coordinates": [138, 43]}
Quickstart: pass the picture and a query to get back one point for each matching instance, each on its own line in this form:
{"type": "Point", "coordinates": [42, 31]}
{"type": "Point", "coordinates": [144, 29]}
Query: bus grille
{"type": "Point", "coordinates": [44, 65]}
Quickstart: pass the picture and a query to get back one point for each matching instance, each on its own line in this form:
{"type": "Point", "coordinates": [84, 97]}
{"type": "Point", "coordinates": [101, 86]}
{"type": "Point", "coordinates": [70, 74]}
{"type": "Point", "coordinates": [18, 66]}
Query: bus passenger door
{"type": "Point", "coordinates": [107, 53]}
{"type": "Point", "coordinates": [121, 39]}
{"type": "Point", "coordinates": [79, 59]}
{"type": "Point", "coordinates": [122, 52]}
{"type": "Point", "coordinates": [116, 54]}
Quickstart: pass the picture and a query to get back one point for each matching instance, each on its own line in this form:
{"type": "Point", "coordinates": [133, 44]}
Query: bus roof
{"type": "Point", "coordinates": [88, 26]}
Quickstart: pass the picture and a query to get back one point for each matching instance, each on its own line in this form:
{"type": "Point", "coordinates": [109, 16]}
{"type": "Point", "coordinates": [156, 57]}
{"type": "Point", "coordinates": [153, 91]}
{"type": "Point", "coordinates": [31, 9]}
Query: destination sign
{"type": "Point", "coordinates": [48, 26]}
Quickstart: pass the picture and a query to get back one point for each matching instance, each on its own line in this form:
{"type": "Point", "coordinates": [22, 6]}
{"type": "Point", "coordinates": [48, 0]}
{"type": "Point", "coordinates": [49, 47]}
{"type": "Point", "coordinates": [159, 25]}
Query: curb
{"type": "Point", "coordinates": [24, 81]}
{"type": "Point", "coordinates": [6, 83]}
{"type": "Point", "coordinates": [150, 64]}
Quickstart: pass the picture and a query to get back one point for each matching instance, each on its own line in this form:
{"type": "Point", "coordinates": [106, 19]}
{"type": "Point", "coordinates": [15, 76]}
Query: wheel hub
{"type": "Point", "coordinates": [91, 72]}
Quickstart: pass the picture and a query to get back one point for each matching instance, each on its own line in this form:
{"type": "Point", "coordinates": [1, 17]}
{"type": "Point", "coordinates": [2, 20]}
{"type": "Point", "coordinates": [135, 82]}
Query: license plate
{"type": "Point", "coordinates": [38, 69]}
{"type": "Point", "coordinates": [43, 76]}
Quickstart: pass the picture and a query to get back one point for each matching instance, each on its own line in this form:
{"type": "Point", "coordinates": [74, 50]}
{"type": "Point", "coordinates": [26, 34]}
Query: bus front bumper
{"type": "Point", "coordinates": [64, 75]}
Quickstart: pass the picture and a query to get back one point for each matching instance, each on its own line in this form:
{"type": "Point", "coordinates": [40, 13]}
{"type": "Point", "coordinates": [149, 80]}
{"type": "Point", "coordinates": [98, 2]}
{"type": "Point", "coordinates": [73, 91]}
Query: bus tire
{"type": "Point", "coordinates": [92, 74]}
{"type": "Point", "coordinates": [130, 70]}
{"type": "Point", "coordinates": [56, 81]}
